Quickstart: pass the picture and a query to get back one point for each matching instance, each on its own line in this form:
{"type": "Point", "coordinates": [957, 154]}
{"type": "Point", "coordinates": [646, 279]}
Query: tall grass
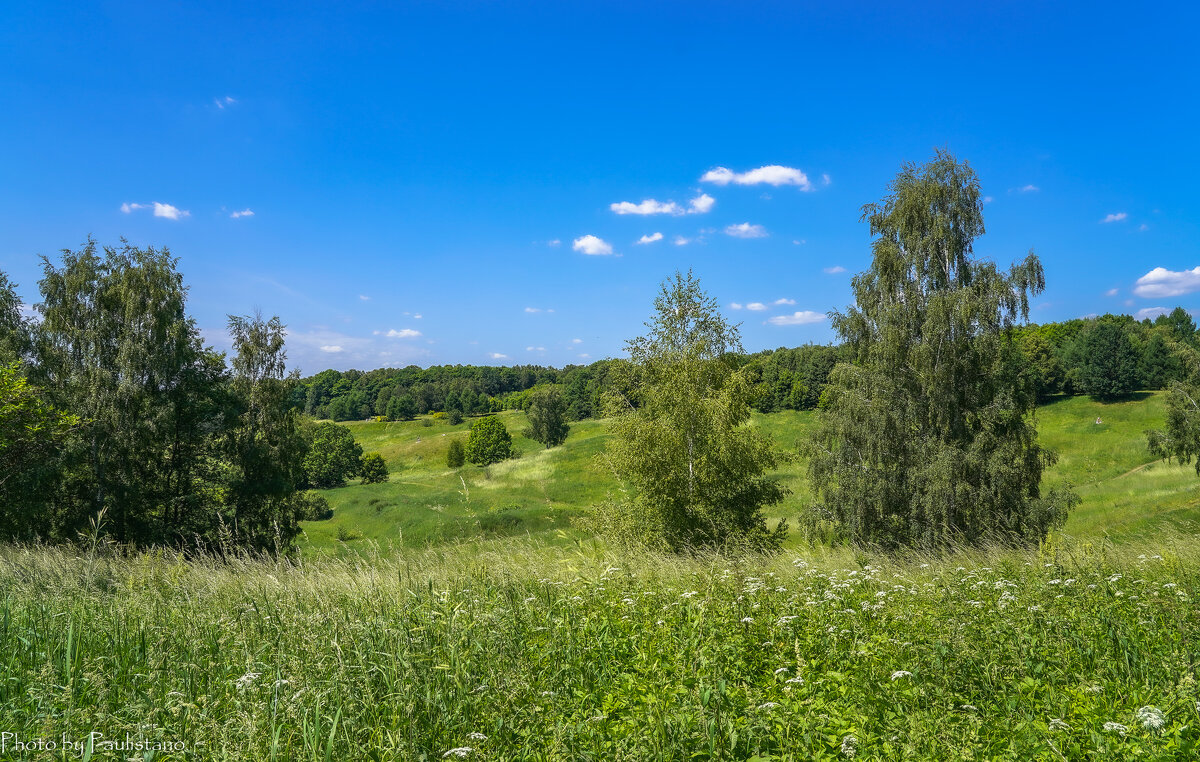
{"type": "Point", "coordinates": [582, 652]}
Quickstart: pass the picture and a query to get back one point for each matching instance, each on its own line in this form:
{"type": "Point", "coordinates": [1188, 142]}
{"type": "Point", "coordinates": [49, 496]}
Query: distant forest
{"type": "Point", "coordinates": [1109, 356]}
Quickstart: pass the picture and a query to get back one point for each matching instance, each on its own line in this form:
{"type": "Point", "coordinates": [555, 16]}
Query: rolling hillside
{"type": "Point", "coordinates": [1124, 489]}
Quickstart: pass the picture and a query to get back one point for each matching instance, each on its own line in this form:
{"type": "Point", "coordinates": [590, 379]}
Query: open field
{"type": "Point", "coordinates": [1123, 488]}
{"type": "Point", "coordinates": [514, 650]}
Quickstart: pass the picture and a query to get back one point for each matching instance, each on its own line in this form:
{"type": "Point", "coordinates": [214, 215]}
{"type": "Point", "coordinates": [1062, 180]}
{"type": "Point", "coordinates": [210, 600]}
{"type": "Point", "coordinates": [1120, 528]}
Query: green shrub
{"type": "Point", "coordinates": [372, 469]}
{"type": "Point", "coordinates": [488, 441]}
{"type": "Point", "coordinates": [311, 506]}
{"type": "Point", "coordinates": [455, 456]}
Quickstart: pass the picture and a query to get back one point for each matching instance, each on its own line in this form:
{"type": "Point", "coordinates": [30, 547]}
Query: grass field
{"type": "Point", "coordinates": [1124, 490]}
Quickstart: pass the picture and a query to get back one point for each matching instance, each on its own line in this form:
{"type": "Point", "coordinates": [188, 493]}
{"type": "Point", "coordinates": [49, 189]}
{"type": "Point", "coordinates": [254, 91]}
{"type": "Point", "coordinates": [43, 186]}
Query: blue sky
{"type": "Point", "coordinates": [426, 179]}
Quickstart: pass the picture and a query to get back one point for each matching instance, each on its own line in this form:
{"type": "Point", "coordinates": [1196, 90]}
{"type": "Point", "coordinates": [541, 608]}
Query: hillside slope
{"type": "Point", "coordinates": [1123, 488]}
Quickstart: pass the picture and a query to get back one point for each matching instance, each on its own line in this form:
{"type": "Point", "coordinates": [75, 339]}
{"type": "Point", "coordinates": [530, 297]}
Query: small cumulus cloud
{"type": "Point", "coordinates": [532, 310]}
{"type": "Point", "coordinates": [1149, 313]}
{"type": "Point", "coordinates": [576, 341]}
{"type": "Point", "coordinates": [772, 174]}
{"type": "Point", "coordinates": [553, 242]}
{"type": "Point", "coordinates": [497, 355]}
{"type": "Point", "coordinates": [166, 211]}
{"type": "Point", "coordinates": [1161, 282]}
{"type": "Point", "coordinates": [681, 241]}
{"type": "Point", "coordinates": [331, 348]}
{"type": "Point", "coordinates": [735, 306]}
{"type": "Point", "coordinates": [756, 306]}
{"type": "Point", "coordinates": [364, 297]}
{"type": "Point", "coordinates": [1031, 188]}
{"type": "Point", "coordinates": [834, 270]}
{"type": "Point", "coordinates": [403, 333]}
{"type": "Point", "coordinates": [1111, 292]}
{"type": "Point", "coordinates": [650, 238]}
{"type": "Point", "coordinates": [585, 355]}
{"type": "Point", "coordinates": [802, 317]}
{"type": "Point", "coordinates": [535, 349]}
{"type": "Point", "coordinates": [826, 179]}
{"type": "Point", "coordinates": [988, 199]}
{"type": "Point", "coordinates": [1113, 217]}
{"type": "Point", "coordinates": [701, 204]}
{"type": "Point", "coordinates": [592, 246]}
{"type": "Point", "coordinates": [799, 241]}
{"type": "Point", "coordinates": [746, 230]}
{"type": "Point", "coordinates": [649, 206]}
{"type": "Point", "coordinates": [243, 213]}
{"type": "Point", "coordinates": [225, 102]}
{"type": "Point", "coordinates": [778, 302]}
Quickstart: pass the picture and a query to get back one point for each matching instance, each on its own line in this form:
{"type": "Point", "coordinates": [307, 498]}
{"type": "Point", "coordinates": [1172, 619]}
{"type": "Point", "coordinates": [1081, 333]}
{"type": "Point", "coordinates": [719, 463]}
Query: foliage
{"type": "Point", "coordinates": [524, 652]}
{"type": "Point", "coordinates": [312, 506]}
{"type": "Point", "coordinates": [455, 455]}
{"type": "Point", "coordinates": [15, 340]}
{"type": "Point", "coordinates": [454, 417]}
{"type": "Point", "coordinates": [547, 412]}
{"type": "Point", "coordinates": [332, 456]}
{"type": "Point", "coordinates": [373, 470]}
{"type": "Point", "coordinates": [31, 432]}
{"type": "Point", "coordinates": [926, 440]}
{"type": "Point", "coordinates": [1108, 367]}
{"type": "Point", "coordinates": [265, 447]}
{"type": "Point", "coordinates": [698, 477]}
{"type": "Point", "coordinates": [116, 347]}
{"type": "Point", "coordinates": [488, 442]}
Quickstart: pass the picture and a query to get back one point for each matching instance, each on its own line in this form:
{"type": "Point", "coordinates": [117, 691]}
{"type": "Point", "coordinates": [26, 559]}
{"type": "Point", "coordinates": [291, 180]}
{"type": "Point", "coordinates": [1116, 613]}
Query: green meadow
{"type": "Point", "coordinates": [1124, 490]}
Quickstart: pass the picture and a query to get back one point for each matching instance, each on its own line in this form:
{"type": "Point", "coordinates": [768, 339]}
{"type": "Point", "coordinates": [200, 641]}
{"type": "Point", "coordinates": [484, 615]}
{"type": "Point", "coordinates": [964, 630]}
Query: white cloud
{"type": "Point", "coordinates": [497, 355]}
{"type": "Point", "coordinates": [533, 309]}
{"type": "Point", "coordinates": [418, 316]}
{"type": "Point", "coordinates": [681, 241]}
{"type": "Point", "coordinates": [1161, 282]}
{"type": "Point", "coordinates": [585, 355]}
{"type": "Point", "coordinates": [772, 174]}
{"type": "Point", "coordinates": [701, 204]}
{"type": "Point", "coordinates": [1114, 217]}
{"type": "Point", "coordinates": [364, 297]}
{"type": "Point", "coordinates": [223, 102]}
{"type": "Point", "coordinates": [554, 242]}
{"type": "Point", "coordinates": [826, 179]}
{"type": "Point", "coordinates": [1031, 188]}
{"type": "Point", "coordinates": [576, 341]}
{"type": "Point", "coordinates": [649, 206]}
{"type": "Point", "coordinates": [834, 270]}
{"type": "Point", "coordinates": [803, 317]}
{"type": "Point", "coordinates": [535, 349]}
{"type": "Point", "coordinates": [1150, 312]}
{"type": "Point", "coordinates": [988, 199]}
{"type": "Point", "coordinates": [746, 230]}
{"type": "Point", "coordinates": [331, 348]}
{"type": "Point", "coordinates": [1143, 227]}
{"type": "Point", "coordinates": [160, 210]}
{"type": "Point", "coordinates": [756, 306]}
{"type": "Point", "coordinates": [592, 246]}
{"type": "Point", "coordinates": [1111, 292]}
{"type": "Point", "coordinates": [650, 238]}
{"type": "Point", "coordinates": [243, 213]}
{"type": "Point", "coordinates": [403, 333]}
{"type": "Point", "coordinates": [735, 306]}
{"type": "Point", "coordinates": [799, 241]}
{"type": "Point", "coordinates": [778, 302]}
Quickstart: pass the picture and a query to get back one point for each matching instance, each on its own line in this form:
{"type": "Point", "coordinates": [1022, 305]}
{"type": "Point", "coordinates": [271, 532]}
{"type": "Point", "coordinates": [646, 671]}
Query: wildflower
{"type": "Point", "coordinates": [480, 688]}
{"type": "Point", "coordinates": [800, 681]}
{"type": "Point", "coordinates": [476, 737]}
{"type": "Point", "coordinates": [747, 620]}
{"type": "Point", "coordinates": [781, 670]}
{"type": "Point", "coordinates": [460, 752]}
{"type": "Point", "coordinates": [1150, 718]}
{"type": "Point", "coordinates": [549, 693]}
{"type": "Point", "coordinates": [849, 747]}
{"type": "Point", "coordinates": [1057, 724]}
{"type": "Point", "coordinates": [1095, 689]}
{"type": "Point", "coordinates": [767, 705]}
{"type": "Point", "coordinates": [1115, 727]}
{"type": "Point", "coordinates": [901, 673]}
{"type": "Point", "coordinates": [245, 680]}
{"type": "Point", "coordinates": [969, 708]}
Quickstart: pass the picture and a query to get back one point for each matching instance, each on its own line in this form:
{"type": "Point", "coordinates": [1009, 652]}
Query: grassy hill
{"type": "Point", "coordinates": [1124, 489]}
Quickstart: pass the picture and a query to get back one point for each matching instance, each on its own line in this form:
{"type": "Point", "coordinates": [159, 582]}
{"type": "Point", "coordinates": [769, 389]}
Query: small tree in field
{"type": "Point", "coordinates": [372, 469]}
{"type": "Point", "coordinates": [456, 455]}
{"type": "Point", "coordinates": [928, 439]}
{"type": "Point", "coordinates": [547, 414]}
{"type": "Point", "coordinates": [697, 476]}
{"type": "Point", "coordinates": [1108, 360]}
{"type": "Point", "coordinates": [488, 442]}
{"type": "Point", "coordinates": [332, 457]}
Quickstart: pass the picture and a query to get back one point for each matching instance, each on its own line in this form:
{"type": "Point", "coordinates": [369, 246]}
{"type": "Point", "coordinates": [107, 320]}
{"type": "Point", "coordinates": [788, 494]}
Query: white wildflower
{"type": "Point", "coordinates": [747, 620]}
{"type": "Point", "coordinates": [1057, 724]}
{"type": "Point", "coordinates": [800, 681]}
{"type": "Point", "coordinates": [849, 747]}
{"type": "Point", "coordinates": [461, 752]}
{"type": "Point", "coordinates": [1094, 689]}
{"type": "Point", "coordinates": [781, 670]}
{"type": "Point", "coordinates": [767, 705]}
{"type": "Point", "coordinates": [1150, 718]}
{"type": "Point", "coordinates": [245, 680]}
{"type": "Point", "coordinates": [476, 737]}
{"type": "Point", "coordinates": [969, 708]}
{"type": "Point", "coordinates": [1115, 727]}
{"type": "Point", "coordinates": [901, 673]}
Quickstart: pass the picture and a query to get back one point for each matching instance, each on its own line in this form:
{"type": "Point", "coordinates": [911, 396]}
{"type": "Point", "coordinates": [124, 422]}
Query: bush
{"type": "Point", "coordinates": [455, 456]}
{"type": "Point", "coordinates": [333, 455]}
{"type": "Point", "coordinates": [312, 507]}
{"type": "Point", "coordinates": [372, 469]}
{"type": "Point", "coordinates": [488, 442]}
{"type": "Point", "coordinates": [454, 417]}
{"type": "Point", "coordinates": [547, 414]}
